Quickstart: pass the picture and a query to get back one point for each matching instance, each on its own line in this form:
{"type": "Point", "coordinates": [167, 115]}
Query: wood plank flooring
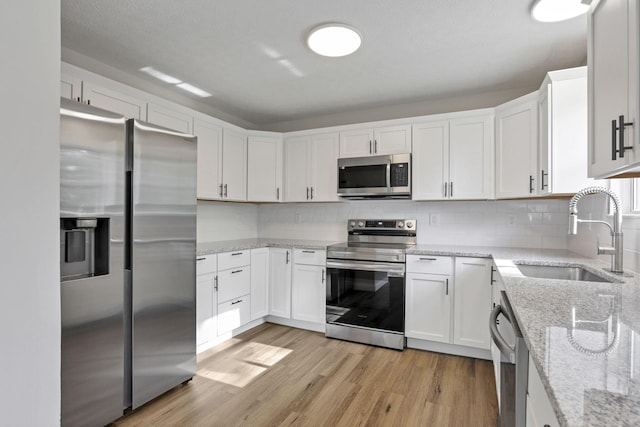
{"type": "Point", "coordinates": [273, 375]}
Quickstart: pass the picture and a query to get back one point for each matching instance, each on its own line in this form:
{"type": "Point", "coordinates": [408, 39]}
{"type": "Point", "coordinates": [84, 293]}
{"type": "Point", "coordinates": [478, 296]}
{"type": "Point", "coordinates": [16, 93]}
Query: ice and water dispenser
{"type": "Point", "coordinates": [84, 247]}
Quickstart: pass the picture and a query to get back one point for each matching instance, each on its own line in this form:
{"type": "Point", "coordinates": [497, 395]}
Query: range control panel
{"type": "Point", "coordinates": [364, 225]}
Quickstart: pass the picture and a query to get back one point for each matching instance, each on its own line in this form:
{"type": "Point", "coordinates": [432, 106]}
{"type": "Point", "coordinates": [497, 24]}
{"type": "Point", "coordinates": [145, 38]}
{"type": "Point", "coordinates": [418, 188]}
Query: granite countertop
{"type": "Point", "coordinates": [208, 248]}
{"type": "Point", "coordinates": [583, 337]}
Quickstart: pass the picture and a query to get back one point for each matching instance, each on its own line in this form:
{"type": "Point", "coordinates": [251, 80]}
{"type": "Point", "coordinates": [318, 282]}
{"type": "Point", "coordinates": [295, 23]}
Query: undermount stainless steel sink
{"type": "Point", "coordinates": [560, 273]}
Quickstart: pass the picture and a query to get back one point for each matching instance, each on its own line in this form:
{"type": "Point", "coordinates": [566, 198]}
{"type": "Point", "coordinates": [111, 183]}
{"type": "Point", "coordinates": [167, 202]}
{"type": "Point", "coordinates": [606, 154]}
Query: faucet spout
{"type": "Point", "coordinates": [616, 249]}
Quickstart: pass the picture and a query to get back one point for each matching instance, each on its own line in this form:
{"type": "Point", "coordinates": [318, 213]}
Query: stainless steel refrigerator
{"type": "Point", "coordinates": [127, 246]}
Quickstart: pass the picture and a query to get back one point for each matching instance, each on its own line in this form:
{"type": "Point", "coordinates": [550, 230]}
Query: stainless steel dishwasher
{"type": "Point", "coordinates": [512, 361]}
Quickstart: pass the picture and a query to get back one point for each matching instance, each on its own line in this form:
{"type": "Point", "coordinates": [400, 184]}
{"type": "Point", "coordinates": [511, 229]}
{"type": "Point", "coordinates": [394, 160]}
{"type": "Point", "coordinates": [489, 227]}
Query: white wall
{"type": "Point", "coordinates": [526, 223]}
{"type": "Point", "coordinates": [29, 185]}
{"type": "Point", "coordinates": [226, 221]}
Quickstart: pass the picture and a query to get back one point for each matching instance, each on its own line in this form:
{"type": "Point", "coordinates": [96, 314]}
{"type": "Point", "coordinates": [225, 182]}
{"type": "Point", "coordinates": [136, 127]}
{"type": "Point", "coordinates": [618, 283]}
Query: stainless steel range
{"type": "Point", "coordinates": [366, 282]}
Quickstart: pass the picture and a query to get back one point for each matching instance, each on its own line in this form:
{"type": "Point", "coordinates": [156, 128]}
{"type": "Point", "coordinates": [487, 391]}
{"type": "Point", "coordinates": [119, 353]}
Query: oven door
{"type": "Point", "coordinates": [366, 294]}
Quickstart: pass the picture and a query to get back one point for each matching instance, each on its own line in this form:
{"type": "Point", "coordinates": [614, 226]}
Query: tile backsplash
{"type": "Point", "coordinates": [513, 223]}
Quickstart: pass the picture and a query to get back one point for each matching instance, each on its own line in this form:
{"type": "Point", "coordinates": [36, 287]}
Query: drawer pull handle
{"type": "Point", "coordinates": [428, 259]}
{"type": "Point", "coordinates": [236, 271]}
{"type": "Point", "coordinates": [308, 252]}
{"type": "Point", "coordinates": [447, 287]}
{"type": "Point", "coordinates": [200, 259]}
{"type": "Point", "coordinates": [237, 253]}
{"type": "Point", "coordinates": [236, 302]}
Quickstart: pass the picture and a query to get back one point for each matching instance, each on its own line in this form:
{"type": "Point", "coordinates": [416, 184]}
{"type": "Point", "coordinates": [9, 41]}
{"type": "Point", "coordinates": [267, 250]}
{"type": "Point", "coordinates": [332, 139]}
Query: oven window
{"type": "Point", "coordinates": [365, 298]}
{"type": "Point", "coordinates": [362, 176]}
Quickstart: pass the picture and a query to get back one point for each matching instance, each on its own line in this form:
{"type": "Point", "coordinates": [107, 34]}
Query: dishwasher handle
{"type": "Point", "coordinates": [498, 339]}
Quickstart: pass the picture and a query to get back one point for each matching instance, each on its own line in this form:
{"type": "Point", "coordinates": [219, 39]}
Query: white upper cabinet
{"type": "Point", "coordinates": [311, 168]}
{"type": "Point", "coordinates": [111, 100]}
{"type": "Point", "coordinates": [264, 180]}
{"type": "Point", "coordinates": [170, 118]}
{"type": "Point", "coordinates": [375, 141]}
{"type": "Point", "coordinates": [516, 147]}
{"type": "Point", "coordinates": [70, 87]}
{"type": "Point", "coordinates": [562, 144]}
{"type": "Point", "coordinates": [209, 158]}
{"type": "Point", "coordinates": [234, 165]}
{"type": "Point", "coordinates": [453, 159]}
{"type": "Point", "coordinates": [614, 142]}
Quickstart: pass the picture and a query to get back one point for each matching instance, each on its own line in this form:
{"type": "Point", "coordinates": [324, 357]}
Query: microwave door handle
{"type": "Point", "coordinates": [498, 339]}
{"type": "Point", "coordinates": [388, 175]}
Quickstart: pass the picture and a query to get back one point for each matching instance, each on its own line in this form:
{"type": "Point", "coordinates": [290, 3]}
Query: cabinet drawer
{"type": "Point", "coordinates": [429, 264]}
{"type": "Point", "coordinates": [234, 259]}
{"type": "Point", "coordinates": [309, 256]}
{"type": "Point", "coordinates": [234, 313]}
{"type": "Point", "coordinates": [206, 264]}
{"type": "Point", "coordinates": [539, 410]}
{"type": "Point", "coordinates": [234, 283]}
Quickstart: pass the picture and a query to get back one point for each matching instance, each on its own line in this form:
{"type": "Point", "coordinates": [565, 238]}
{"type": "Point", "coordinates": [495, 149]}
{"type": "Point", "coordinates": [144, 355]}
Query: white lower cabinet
{"type": "Point", "coordinates": [206, 301]}
{"type": "Point", "coordinates": [280, 282]}
{"type": "Point", "coordinates": [308, 294]}
{"type": "Point", "coordinates": [428, 307]}
{"type": "Point", "coordinates": [472, 302]}
{"type": "Point", "coordinates": [448, 300]}
{"type": "Point", "coordinates": [540, 413]}
{"type": "Point", "coordinates": [234, 313]}
{"type": "Point", "coordinates": [259, 283]}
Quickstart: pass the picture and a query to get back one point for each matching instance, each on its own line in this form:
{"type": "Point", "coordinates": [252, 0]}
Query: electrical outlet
{"type": "Point", "coordinates": [298, 218]}
{"type": "Point", "coordinates": [511, 219]}
{"type": "Point", "coordinates": [434, 220]}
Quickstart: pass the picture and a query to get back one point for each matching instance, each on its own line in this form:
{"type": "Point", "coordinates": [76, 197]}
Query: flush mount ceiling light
{"type": "Point", "coordinates": [334, 40]}
{"type": "Point", "coordinates": [558, 10]}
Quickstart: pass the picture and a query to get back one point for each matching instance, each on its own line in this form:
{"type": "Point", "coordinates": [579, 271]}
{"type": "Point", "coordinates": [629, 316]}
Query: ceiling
{"type": "Point", "coordinates": [251, 54]}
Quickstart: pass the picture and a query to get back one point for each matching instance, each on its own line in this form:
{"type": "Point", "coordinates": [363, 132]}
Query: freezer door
{"type": "Point", "coordinates": [92, 175]}
{"type": "Point", "coordinates": [162, 263]}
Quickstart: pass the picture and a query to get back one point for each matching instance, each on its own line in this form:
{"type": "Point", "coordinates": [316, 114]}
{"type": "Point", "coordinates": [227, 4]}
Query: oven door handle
{"type": "Point", "coordinates": [498, 339]}
{"type": "Point", "coordinates": [392, 269]}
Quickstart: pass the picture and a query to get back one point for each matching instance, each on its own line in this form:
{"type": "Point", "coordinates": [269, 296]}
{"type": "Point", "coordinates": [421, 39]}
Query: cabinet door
{"type": "Point", "coordinates": [356, 143]}
{"type": "Point", "coordinates": [516, 149]}
{"type": "Point", "coordinates": [70, 87]}
{"type": "Point", "coordinates": [111, 100]}
{"type": "Point", "coordinates": [169, 118]}
{"type": "Point", "coordinates": [234, 165]}
{"type": "Point", "coordinates": [472, 304]}
{"type": "Point", "coordinates": [259, 283]}
{"type": "Point", "coordinates": [540, 412]}
{"type": "Point", "coordinates": [323, 164]}
{"type": "Point", "coordinates": [206, 305]}
{"type": "Point", "coordinates": [264, 180]}
{"type": "Point", "coordinates": [296, 163]}
{"type": "Point", "coordinates": [308, 293]}
{"type": "Point", "coordinates": [280, 282]}
{"type": "Point", "coordinates": [428, 307]}
{"type": "Point", "coordinates": [471, 158]}
{"type": "Point", "coordinates": [544, 141]}
{"type": "Point", "coordinates": [392, 140]}
{"type": "Point", "coordinates": [609, 58]}
{"type": "Point", "coordinates": [430, 161]}
{"type": "Point", "coordinates": [209, 159]}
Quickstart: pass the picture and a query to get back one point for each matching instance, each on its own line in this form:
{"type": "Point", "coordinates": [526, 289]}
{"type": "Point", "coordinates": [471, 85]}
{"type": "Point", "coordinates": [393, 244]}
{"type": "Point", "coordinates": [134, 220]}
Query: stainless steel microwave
{"type": "Point", "coordinates": [375, 177]}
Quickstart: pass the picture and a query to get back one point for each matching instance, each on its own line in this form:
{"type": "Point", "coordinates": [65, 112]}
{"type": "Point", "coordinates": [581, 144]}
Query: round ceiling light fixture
{"type": "Point", "coordinates": [558, 10]}
{"type": "Point", "coordinates": [334, 40]}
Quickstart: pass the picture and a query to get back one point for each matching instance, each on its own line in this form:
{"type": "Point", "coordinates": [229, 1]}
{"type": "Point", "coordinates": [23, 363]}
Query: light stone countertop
{"type": "Point", "coordinates": [591, 372]}
{"type": "Point", "coordinates": [208, 248]}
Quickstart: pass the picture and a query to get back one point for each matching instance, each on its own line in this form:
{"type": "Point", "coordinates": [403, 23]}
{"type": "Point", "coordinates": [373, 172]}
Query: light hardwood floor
{"type": "Point", "coordinates": [273, 375]}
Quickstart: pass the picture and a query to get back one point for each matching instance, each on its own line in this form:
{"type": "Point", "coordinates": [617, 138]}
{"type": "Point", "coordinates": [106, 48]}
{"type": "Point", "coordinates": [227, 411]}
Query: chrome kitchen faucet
{"type": "Point", "coordinates": [615, 250]}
